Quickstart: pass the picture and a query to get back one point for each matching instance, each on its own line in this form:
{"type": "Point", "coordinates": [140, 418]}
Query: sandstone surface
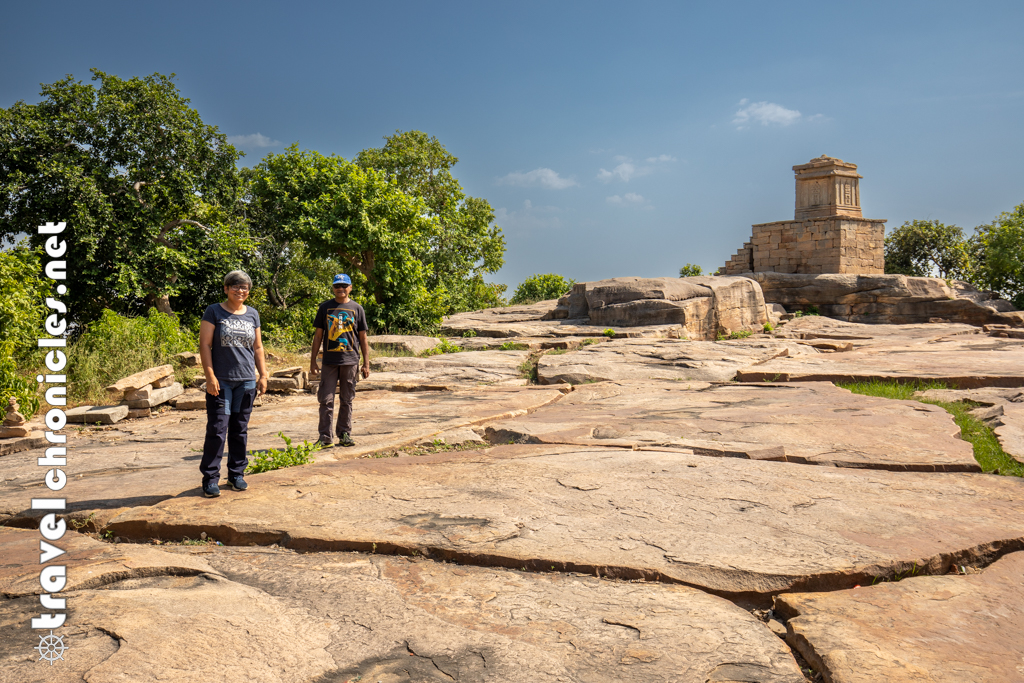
{"type": "Point", "coordinates": [447, 369]}
{"type": "Point", "coordinates": [963, 361]}
{"type": "Point", "coordinates": [813, 423]}
{"type": "Point", "coordinates": [535, 320]}
{"type": "Point", "coordinates": [663, 359]}
{"type": "Point", "coordinates": [740, 528]}
{"type": "Point", "coordinates": [1001, 409]}
{"type": "Point", "coordinates": [136, 464]}
{"type": "Point", "coordinates": [399, 342]}
{"type": "Point", "coordinates": [931, 628]}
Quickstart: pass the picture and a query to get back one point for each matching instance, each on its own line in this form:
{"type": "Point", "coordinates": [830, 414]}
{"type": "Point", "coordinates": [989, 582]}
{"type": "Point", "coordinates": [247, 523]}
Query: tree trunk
{"type": "Point", "coordinates": [162, 303]}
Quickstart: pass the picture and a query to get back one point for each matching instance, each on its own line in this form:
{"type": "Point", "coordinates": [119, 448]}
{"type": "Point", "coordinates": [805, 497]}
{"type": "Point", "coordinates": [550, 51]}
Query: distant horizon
{"type": "Point", "coordinates": [610, 140]}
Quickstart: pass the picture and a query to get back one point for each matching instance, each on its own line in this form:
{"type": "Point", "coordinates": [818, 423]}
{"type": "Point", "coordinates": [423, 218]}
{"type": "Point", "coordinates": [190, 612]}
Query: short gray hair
{"type": "Point", "coordinates": [237, 277]}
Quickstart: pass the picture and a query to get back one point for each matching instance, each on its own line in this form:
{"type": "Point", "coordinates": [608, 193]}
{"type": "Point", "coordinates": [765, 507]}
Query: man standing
{"type": "Point", "coordinates": [341, 321]}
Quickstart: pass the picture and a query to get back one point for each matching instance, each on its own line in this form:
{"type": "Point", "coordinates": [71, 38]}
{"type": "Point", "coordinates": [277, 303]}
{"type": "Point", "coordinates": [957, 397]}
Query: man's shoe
{"type": "Point", "coordinates": [325, 444]}
{"type": "Point", "coordinates": [346, 440]}
{"type": "Point", "coordinates": [210, 489]}
{"type": "Point", "coordinates": [237, 483]}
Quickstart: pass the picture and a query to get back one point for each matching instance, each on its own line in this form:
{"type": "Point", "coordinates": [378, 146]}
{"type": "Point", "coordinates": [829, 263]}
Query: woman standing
{"type": "Point", "coordinates": [232, 352]}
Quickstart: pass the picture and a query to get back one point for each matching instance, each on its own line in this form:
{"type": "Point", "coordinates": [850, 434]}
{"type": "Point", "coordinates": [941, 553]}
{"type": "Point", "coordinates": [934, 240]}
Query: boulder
{"type": "Point", "coordinates": [188, 359]}
{"type": "Point", "coordinates": [893, 299]}
{"type": "Point", "coordinates": [155, 397]}
{"type": "Point", "coordinates": [106, 415]}
{"type": "Point", "coordinates": [118, 389]}
{"type": "Point", "coordinates": [399, 342]}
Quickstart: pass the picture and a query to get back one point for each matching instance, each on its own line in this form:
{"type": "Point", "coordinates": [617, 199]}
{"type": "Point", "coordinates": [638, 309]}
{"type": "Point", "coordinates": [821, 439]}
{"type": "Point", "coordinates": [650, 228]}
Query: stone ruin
{"type": "Point", "coordinates": [827, 234]}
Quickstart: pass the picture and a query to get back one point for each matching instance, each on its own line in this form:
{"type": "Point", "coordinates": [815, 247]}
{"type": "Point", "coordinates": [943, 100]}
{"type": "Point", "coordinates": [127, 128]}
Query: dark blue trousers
{"type": "Point", "coordinates": [233, 428]}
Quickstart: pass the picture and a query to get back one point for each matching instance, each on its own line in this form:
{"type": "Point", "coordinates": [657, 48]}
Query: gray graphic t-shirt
{"type": "Point", "coordinates": [234, 335]}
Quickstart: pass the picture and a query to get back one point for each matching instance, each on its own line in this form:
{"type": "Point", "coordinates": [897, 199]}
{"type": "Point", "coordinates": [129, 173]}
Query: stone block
{"type": "Point", "coordinates": [139, 412]}
{"type": "Point", "coordinates": [139, 394]}
{"type": "Point", "coordinates": [158, 396]}
{"type": "Point", "coordinates": [118, 389]}
{"type": "Point", "coordinates": [191, 400]}
{"type": "Point", "coordinates": [188, 359]}
{"type": "Point", "coordinates": [14, 432]}
{"type": "Point", "coordinates": [107, 415]}
{"type": "Point", "coordinates": [163, 382]}
{"type": "Point", "coordinates": [283, 384]}
{"type": "Point", "coordinates": [288, 372]}
{"type": "Point", "coordinates": [35, 439]}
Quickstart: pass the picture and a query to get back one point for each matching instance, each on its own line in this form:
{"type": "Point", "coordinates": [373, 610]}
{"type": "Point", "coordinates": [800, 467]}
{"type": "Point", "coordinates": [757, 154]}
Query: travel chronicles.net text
{"type": "Point", "coordinates": [52, 575]}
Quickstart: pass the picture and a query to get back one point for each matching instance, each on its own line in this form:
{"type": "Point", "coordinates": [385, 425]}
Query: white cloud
{"type": "Point", "coordinates": [529, 219]}
{"type": "Point", "coordinates": [544, 177]}
{"type": "Point", "coordinates": [626, 169]}
{"type": "Point", "coordinates": [765, 113]}
{"type": "Point", "coordinates": [255, 140]}
{"type": "Point", "coordinates": [628, 198]}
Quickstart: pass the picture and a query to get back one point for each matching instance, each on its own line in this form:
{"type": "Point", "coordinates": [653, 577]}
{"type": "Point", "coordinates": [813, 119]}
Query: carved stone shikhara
{"type": "Point", "coordinates": [828, 233]}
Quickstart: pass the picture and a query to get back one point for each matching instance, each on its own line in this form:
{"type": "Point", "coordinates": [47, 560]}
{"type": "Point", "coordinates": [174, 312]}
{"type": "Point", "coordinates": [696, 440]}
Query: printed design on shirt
{"type": "Point", "coordinates": [237, 333]}
{"type": "Point", "coordinates": [340, 321]}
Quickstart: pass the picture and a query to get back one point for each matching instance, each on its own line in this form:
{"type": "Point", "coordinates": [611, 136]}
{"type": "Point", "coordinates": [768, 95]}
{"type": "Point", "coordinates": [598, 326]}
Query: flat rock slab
{"type": "Point", "coordinates": [1003, 411]}
{"type": "Point", "coordinates": [90, 563]}
{"type": "Point", "coordinates": [529, 321]}
{"type": "Point", "coordinates": [158, 396]}
{"type": "Point", "coordinates": [35, 439]}
{"type": "Point", "coordinates": [860, 335]}
{"type": "Point", "coordinates": [746, 529]}
{"type": "Point", "coordinates": [476, 367]}
{"type": "Point", "coordinates": [104, 415]}
{"type": "Point", "coordinates": [118, 389]}
{"type": "Point", "coordinates": [964, 361]}
{"type": "Point", "coordinates": [661, 359]}
{"type": "Point", "coordinates": [438, 622]}
{"type": "Point", "coordinates": [401, 342]}
{"type": "Point", "coordinates": [169, 628]}
{"type": "Point", "coordinates": [142, 464]}
{"type": "Point", "coordinates": [814, 423]}
{"type": "Point", "coordinates": [931, 628]}
{"type": "Point", "coordinates": [532, 343]}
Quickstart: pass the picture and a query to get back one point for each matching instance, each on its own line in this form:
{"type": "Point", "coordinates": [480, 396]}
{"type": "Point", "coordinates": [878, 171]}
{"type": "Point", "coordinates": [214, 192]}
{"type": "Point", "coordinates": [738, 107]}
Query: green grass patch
{"type": "Point", "coordinates": [513, 346]}
{"type": "Point", "coordinates": [742, 334]}
{"type": "Point", "coordinates": [275, 459]}
{"type": "Point", "coordinates": [987, 451]}
{"type": "Point", "coordinates": [444, 347]}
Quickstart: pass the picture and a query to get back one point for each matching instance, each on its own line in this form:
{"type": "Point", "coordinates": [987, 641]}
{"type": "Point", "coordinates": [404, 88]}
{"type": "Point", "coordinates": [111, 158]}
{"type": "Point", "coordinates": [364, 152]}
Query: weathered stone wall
{"type": "Point", "coordinates": [814, 246]}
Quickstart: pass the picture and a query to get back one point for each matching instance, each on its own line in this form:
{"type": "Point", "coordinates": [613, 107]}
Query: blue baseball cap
{"type": "Point", "coordinates": [342, 279]}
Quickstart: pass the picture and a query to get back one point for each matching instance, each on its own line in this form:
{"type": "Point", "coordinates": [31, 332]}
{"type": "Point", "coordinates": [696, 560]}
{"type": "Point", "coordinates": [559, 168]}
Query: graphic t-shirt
{"type": "Point", "coordinates": [234, 335]}
{"type": "Point", "coordinates": [341, 324]}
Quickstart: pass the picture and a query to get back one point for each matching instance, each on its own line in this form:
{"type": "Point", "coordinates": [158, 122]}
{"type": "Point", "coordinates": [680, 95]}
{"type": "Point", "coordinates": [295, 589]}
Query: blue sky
{"type": "Point", "coordinates": [612, 139]}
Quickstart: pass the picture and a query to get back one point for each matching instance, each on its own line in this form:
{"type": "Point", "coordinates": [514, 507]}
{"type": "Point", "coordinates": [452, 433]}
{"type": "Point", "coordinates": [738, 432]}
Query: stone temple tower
{"type": "Point", "coordinates": [827, 234]}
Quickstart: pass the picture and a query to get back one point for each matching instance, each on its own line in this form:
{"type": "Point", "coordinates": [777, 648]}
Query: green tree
{"type": "Point", "coordinates": [921, 248]}
{"type": "Point", "coordinates": [149, 192]}
{"type": "Point", "coordinates": [690, 270]}
{"type": "Point", "coordinates": [998, 250]}
{"type": "Point", "coordinates": [465, 244]}
{"type": "Point", "coordinates": [541, 288]}
{"type": "Point", "coordinates": [356, 217]}
{"type": "Point", "coordinates": [23, 292]}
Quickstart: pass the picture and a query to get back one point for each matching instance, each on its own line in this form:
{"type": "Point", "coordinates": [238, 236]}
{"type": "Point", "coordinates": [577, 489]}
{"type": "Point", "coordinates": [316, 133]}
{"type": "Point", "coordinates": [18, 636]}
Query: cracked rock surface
{"type": "Point", "coordinates": [736, 527]}
{"type": "Point", "coordinates": [810, 422]}
{"type": "Point", "coordinates": [923, 628]}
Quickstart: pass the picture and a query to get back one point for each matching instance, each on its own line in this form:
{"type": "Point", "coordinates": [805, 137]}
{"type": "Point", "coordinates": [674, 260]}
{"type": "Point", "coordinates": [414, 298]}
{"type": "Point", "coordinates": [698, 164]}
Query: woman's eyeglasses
{"type": "Point", "coordinates": [239, 288]}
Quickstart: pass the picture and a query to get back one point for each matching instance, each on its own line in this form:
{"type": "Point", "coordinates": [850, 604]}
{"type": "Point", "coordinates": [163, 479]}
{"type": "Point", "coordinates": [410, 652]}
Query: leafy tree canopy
{"type": "Point", "coordinates": [464, 244]}
{"type": "Point", "coordinates": [541, 288]}
{"type": "Point", "coordinates": [921, 248]}
{"type": "Point", "coordinates": [149, 192]}
{"type": "Point", "coordinates": [357, 217]}
{"type": "Point", "coordinates": [998, 250]}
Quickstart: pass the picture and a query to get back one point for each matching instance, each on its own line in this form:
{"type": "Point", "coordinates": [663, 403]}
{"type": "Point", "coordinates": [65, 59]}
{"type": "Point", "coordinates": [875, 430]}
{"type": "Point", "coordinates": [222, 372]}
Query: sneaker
{"type": "Point", "coordinates": [237, 483]}
{"type": "Point", "coordinates": [325, 444]}
{"type": "Point", "coordinates": [210, 489]}
{"type": "Point", "coordinates": [346, 440]}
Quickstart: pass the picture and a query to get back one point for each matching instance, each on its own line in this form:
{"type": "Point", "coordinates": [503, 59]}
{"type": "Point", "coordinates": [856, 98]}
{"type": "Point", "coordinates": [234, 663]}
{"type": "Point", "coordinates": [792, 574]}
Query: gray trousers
{"type": "Point", "coordinates": [330, 376]}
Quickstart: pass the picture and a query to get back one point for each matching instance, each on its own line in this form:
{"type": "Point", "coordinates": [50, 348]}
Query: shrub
{"type": "Point", "coordinates": [609, 333]}
{"type": "Point", "coordinates": [541, 288]}
{"type": "Point", "coordinates": [23, 293]}
{"type": "Point", "coordinates": [690, 270]}
{"type": "Point", "coordinates": [116, 346]}
{"type": "Point", "coordinates": [23, 390]}
{"type": "Point", "coordinates": [274, 459]}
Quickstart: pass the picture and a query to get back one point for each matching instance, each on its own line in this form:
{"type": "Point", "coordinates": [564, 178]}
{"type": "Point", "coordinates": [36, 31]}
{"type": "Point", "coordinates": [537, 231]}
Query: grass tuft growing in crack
{"type": "Point", "coordinates": [987, 451]}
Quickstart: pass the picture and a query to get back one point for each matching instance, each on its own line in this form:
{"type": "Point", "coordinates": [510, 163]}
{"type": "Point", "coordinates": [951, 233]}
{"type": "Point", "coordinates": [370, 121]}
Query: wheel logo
{"type": "Point", "coordinates": [51, 648]}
